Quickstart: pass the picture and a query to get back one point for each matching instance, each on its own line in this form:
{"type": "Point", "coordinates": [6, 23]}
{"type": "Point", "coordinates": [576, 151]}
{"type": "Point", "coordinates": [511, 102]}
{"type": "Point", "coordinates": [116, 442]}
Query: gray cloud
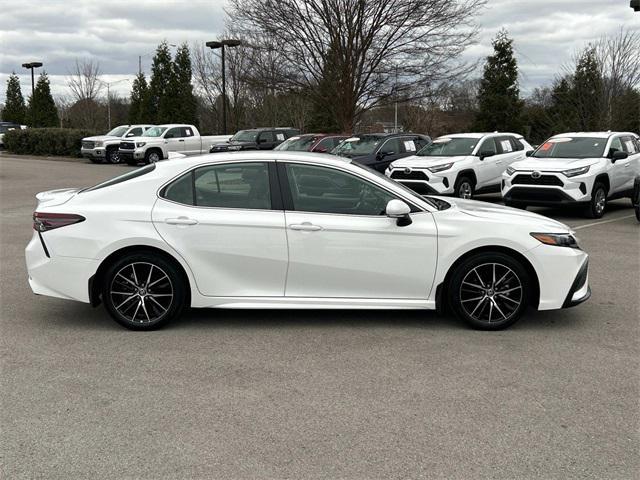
{"type": "Point", "coordinates": [114, 32]}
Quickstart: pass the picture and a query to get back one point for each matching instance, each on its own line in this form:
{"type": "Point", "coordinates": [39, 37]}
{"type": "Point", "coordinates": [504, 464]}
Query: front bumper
{"type": "Point", "coordinates": [422, 181]}
{"type": "Point", "coordinates": [580, 290]}
{"type": "Point", "coordinates": [137, 154]}
{"type": "Point", "coordinates": [551, 188]}
{"type": "Point", "coordinates": [97, 152]}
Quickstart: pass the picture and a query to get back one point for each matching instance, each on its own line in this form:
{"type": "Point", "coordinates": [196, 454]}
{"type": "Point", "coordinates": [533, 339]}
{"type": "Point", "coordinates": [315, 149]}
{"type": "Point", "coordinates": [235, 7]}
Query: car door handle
{"type": "Point", "coordinates": [181, 221]}
{"type": "Point", "coordinates": [181, 140]}
{"type": "Point", "coordinates": [498, 162]}
{"type": "Point", "coordinates": [305, 227]}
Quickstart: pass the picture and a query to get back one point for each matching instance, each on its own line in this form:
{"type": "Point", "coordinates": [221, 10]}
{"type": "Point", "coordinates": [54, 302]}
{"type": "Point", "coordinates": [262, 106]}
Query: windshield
{"type": "Point", "coordinates": [386, 179]}
{"type": "Point", "coordinates": [154, 132]}
{"type": "Point", "coordinates": [245, 136]}
{"type": "Point", "coordinates": [449, 147]}
{"type": "Point", "coordinates": [571, 147]}
{"type": "Point", "coordinates": [118, 131]}
{"type": "Point", "coordinates": [297, 144]}
{"type": "Point", "coordinates": [355, 146]}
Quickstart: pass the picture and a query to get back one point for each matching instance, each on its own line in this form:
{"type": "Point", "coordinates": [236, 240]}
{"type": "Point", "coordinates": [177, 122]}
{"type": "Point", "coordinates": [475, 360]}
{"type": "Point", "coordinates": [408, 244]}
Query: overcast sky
{"type": "Point", "coordinates": [114, 32]}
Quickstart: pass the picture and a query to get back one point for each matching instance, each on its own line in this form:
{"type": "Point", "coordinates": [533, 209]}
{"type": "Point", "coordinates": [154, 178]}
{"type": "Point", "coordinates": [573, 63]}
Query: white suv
{"type": "Point", "coordinates": [462, 164]}
{"type": "Point", "coordinates": [575, 168]}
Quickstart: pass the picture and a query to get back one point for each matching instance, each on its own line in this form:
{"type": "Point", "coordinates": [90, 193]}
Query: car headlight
{"type": "Point", "coordinates": [440, 168]}
{"type": "Point", "coordinates": [511, 171]}
{"type": "Point", "coordinates": [97, 144]}
{"type": "Point", "coordinates": [557, 239]}
{"type": "Point", "coordinates": [574, 172]}
{"type": "Point", "coordinates": [140, 144]}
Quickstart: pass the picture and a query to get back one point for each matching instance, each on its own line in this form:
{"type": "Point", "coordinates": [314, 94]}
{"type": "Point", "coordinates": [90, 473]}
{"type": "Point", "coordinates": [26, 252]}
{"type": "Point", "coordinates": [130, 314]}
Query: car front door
{"type": "Point", "coordinates": [226, 222]}
{"type": "Point", "coordinates": [341, 243]}
{"type": "Point", "coordinates": [173, 139]}
{"type": "Point", "coordinates": [488, 166]}
{"type": "Point", "coordinates": [266, 140]}
{"type": "Point", "coordinates": [618, 169]}
{"type": "Point", "coordinates": [632, 163]}
{"type": "Point", "coordinates": [392, 149]}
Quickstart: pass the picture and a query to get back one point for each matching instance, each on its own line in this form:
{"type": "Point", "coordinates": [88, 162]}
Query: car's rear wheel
{"type": "Point", "coordinates": [489, 291]}
{"type": "Point", "coordinates": [598, 203]}
{"type": "Point", "coordinates": [143, 291]}
{"type": "Point", "coordinates": [463, 188]}
{"type": "Point", "coordinates": [113, 155]}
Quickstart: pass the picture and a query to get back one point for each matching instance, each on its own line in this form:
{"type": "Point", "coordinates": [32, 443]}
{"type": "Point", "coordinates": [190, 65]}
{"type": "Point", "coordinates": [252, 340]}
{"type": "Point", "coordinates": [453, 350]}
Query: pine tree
{"type": "Point", "coordinates": [140, 109]}
{"type": "Point", "coordinates": [160, 85]}
{"type": "Point", "coordinates": [563, 109]}
{"type": "Point", "coordinates": [588, 92]}
{"type": "Point", "coordinates": [185, 105]}
{"type": "Point", "coordinates": [42, 111]}
{"type": "Point", "coordinates": [500, 106]}
{"type": "Point", "coordinates": [14, 108]}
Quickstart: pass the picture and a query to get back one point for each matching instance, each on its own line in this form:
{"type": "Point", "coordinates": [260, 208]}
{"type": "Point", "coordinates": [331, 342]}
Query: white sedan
{"type": "Point", "coordinates": [294, 230]}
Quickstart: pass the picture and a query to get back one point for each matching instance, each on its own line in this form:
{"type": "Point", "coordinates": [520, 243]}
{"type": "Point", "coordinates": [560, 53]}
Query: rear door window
{"type": "Point", "coordinates": [173, 133]}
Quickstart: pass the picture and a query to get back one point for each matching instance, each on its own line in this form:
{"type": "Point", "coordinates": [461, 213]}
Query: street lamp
{"type": "Point", "coordinates": [108, 84]}
{"type": "Point", "coordinates": [31, 66]}
{"type": "Point", "coordinates": [221, 44]}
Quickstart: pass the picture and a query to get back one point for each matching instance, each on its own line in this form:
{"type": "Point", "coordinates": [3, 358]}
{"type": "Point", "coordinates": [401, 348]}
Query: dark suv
{"type": "Point", "coordinates": [378, 150]}
{"type": "Point", "coordinates": [255, 139]}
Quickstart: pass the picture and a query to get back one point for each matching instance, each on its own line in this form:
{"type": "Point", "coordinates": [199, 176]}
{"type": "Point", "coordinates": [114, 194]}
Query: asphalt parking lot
{"type": "Point", "coordinates": [320, 394]}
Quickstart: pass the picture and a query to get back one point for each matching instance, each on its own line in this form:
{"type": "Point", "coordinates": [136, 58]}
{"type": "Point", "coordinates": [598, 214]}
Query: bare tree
{"type": "Point", "coordinates": [85, 86]}
{"type": "Point", "coordinates": [359, 45]}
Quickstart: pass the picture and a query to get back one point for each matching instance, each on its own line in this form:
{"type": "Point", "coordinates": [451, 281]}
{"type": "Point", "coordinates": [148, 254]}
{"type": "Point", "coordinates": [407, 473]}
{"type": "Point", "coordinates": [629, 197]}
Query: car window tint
{"type": "Point", "coordinates": [488, 145]}
{"type": "Point", "coordinates": [629, 145]}
{"type": "Point", "coordinates": [325, 145]}
{"type": "Point", "coordinates": [420, 142]}
{"type": "Point", "coordinates": [616, 146]}
{"type": "Point", "coordinates": [173, 133]}
{"type": "Point", "coordinates": [180, 190]}
{"type": "Point", "coordinates": [267, 136]}
{"type": "Point", "coordinates": [186, 132]}
{"type": "Point", "coordinates": [327, 190]}
{"type": "Point", "coordinates": [237, 185]}
{"type": "Point", "coordinates": [392, 146]}
{"type": "Point", "coordinates": [516, 144]}
{"type": "Point", "coordinates": [135, 132]}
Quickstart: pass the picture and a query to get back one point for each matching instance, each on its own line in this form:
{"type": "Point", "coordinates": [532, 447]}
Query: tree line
{"type": "Point", "coordinates": [344, 66]}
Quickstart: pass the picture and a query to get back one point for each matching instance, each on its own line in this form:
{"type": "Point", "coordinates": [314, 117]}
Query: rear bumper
{"type": "Point", "coordinates": [58, 276]}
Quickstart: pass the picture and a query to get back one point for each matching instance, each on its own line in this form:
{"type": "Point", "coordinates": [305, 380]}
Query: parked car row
{"type": "Point", "coordinates": [576, 169]}
{"type": "Point", "coordinates": [5, 127]}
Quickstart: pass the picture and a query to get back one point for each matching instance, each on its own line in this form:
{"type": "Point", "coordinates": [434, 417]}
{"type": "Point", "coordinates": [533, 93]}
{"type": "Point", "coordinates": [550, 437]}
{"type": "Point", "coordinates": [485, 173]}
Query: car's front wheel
{"type": "Point", "coordinates": [143, 291]}
{"type": "Point", "coordinates": [489, 291]}
{"type": "Point", "coordinates": [598, 203]}
{"type": "Point", "coordinates": [113, 155]}
{"type": "Point", "coordinates": [463, 188]}
{"type": "Point", "coordinates": [152, 156]}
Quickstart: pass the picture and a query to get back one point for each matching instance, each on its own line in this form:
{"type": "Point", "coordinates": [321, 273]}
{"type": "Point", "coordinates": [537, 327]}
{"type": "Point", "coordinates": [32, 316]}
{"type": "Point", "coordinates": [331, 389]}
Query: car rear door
{"type": "Point", "coordinates": [226, 221]}
{"type": "Point", "coordinates": [192, 143]}
{"type": "Point", "coordinates": [618, 170]}
{"type": "Point", "coordinates": [341, 243]}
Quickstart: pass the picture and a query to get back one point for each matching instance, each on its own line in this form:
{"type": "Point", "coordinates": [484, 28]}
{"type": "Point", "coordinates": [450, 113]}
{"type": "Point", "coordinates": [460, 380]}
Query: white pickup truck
{"type": "Point", "coordinates": [105, 147]}
{"type": "Point", "coordinates": [156, 143]}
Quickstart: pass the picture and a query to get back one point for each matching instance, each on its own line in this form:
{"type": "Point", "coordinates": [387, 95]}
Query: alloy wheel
{"type": "Point", "coordinates": [154, 157]}
{"type": "Point", "coordinates": [600, 201]}
{"type": "Point", "coordinates": [141, 292]}
{"type": "Point", "coordinates": [491, 292]}
{"type": "Point", "coordinates": [464, 191]}
{"type": "Point", "coordinates": [114, 156]}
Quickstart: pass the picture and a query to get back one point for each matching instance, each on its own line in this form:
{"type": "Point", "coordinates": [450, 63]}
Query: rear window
{"type": "Point", "coordinates": [122, 178]}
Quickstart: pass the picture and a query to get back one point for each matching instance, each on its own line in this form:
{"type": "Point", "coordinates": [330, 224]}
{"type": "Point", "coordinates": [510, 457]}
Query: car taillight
{"type": "Point", "coordinates": [43, 221]}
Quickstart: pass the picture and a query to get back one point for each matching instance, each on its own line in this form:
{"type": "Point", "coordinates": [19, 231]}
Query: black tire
{"type": "Point", "coordinates": [152, 156]}
{"type": "Point", "coordinates": [512, 204]}
{"type": "Point", "coordinates": [637, 208]}
{"type": "Point", "coordinates": [113, 155]}
{"type": "Point", "coordinates": [148, 308]}
{"type": "Point", "coordinates": [474, 299]}
{"type": "Point", "coordinates": [598, 203]}
{"type": "Point", "coordinates": [464, 188]}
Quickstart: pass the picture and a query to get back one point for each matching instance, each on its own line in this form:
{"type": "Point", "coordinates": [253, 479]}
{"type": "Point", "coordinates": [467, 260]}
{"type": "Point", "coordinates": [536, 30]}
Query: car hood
{"type": "Point", "coordinates": [490, 211]}
{"type": "Point", "coordinates": [552, 164]}
{"type": "Point", "coordinates": [415, 161]}
{"type": "Point", "coordinates": [100, 138]}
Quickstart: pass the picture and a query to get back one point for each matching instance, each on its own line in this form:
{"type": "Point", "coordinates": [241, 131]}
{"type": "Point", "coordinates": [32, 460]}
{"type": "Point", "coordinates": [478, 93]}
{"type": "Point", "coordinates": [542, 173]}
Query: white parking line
{"type": "Point", "coordinates": [600, 223]}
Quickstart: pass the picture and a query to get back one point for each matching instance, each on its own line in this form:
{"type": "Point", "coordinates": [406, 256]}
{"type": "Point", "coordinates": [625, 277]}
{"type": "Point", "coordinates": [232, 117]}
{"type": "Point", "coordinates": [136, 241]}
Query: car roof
{"type": "Point", "coordinates": [592, 134]}
{"type": "Point", "coordinates": [479, 135]}
{"type": "Point", "coordinates": [171, 125]}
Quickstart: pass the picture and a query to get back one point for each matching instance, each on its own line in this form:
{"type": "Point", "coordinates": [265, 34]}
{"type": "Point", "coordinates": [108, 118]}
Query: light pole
{"type": "Point", "coordinates": [31, 66]}
{"type": "Point", "coordinates": [221, 44]}
{"type": "Point", "coordinates": [108, 84]}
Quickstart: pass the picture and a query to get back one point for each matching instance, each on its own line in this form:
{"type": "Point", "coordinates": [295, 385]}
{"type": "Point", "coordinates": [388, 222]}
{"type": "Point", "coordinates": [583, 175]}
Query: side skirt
{"type": "Point", "coordinates": [312, 303]}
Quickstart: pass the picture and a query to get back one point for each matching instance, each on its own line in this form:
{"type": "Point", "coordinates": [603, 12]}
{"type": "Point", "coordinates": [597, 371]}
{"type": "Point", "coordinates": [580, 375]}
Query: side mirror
{"type": "Point", "coordinates": [381, 155]}
{"type": "Point", "coordinates": [618, 155]}
{"type": "Point", "coordinates": [528, 153]}
{"type": "Point", "coordinates": [486, 153]}
{"type": "Point", "coordinates": [399, 210]}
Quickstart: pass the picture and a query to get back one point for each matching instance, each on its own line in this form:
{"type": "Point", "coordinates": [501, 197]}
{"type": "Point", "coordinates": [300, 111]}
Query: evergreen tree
{"type": "Point", "coordinates": [562, 111]}
{"type": "Point", "coordinates": [588, 92]}
{"type": "Point", "coordinates": [160, 85]}
{"type": "Point", "coordinates": [140, 109]}
{"type": "Point", "coordinates": [500, 106]}
{"type": "Point", "coordinates": [14, 108]}
{"type": "Point", "coordinates": [42, 110]}
{"type": "Point", "coordinates": [185, 105]}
